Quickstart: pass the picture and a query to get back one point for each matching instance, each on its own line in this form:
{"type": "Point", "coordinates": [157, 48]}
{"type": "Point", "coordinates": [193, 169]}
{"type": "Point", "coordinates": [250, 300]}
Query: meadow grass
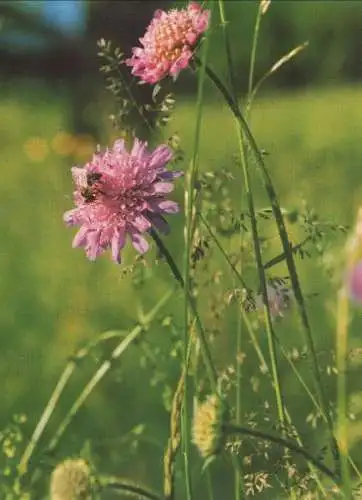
{"type": "Point", "coordinates": [54, 299]}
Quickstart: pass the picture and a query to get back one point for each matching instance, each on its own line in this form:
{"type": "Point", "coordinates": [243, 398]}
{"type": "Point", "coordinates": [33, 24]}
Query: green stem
{"type": "Point", "coordinates": [263, 285]}
{"type": "Point", "coordinates": [341, 354]}
{"type": "Point", "coordinates": [72, 364]}
{"type": "Point", "coordinates": [201, 332]}
{"type": "Point", "coordinates": [260, 355]}
{"type": "Point", "coordinates": [253, 56]}
{"type": "Point", "coordinates": [104, 368]}
{"type": "Point", "coordinates": [286, 443]}
{"type": "Point", "coordinates": [227, 49]}
{"type": "Point", "coordinates": [225, 255]}
{"type": "Point", "coordinates": [255, 235]}
{"type": "Point", "coordinates": [209, 485]}
{"type": "Point", "coordinates": [124, 487]}
{"type": "Point", "coordinates": [230, 66]}
{"type": "Point", "coordinates": [288, 254]}
{"type": "Point", "coordinates": [188, 234]}
{"type": "Point", "coordinates": [279, 258]}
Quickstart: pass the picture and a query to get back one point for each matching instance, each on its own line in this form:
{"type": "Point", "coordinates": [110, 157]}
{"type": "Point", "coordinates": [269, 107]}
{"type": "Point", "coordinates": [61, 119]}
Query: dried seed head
{"type": "Point", "coordinates": [71, 480]}
{"type": "Point", "coordinates": [207, 433]}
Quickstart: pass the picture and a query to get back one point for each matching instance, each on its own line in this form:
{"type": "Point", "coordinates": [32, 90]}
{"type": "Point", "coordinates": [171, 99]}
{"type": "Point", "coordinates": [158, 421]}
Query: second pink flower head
{"type": "Point", "coordinates": [168, 43]}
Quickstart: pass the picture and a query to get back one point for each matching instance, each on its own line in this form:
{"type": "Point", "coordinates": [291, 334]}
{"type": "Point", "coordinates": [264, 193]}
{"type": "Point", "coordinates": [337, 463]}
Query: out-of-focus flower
{"type": "Point", "coordinates": [279, 298]}
{"type": "Point", "coordinates": [207, 433]}
{"type": "Point", "coordinates": [63, 143]}
{"type": "Point", "coordinates": [36, 148]}
{"type": "Point", "coordinates": [71, 480]}
{"type": "Point", "coordinates": [168, 43]}
{"type": "Point", "coordinates": [354, 282]}
{"type": "Point", "coordinates": [84, 146]}
{"type": "Point", "coordinates": [119, 193]}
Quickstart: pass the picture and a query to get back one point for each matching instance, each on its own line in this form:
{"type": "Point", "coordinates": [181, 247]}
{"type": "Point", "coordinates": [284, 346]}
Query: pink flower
{"type": "Point", "coordinates": [119, 193]}
{"type": "Point", "coordinates": [354, 282]}
{"type": "Point", "coordinates": [168, 43]}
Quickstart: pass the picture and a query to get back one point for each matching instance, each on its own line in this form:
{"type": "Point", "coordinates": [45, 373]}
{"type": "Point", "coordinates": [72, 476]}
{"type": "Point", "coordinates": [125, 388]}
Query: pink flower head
{"type": "Point", "coordinates": [168, 43]}
{"type": "Point", "coordinates": [354, 282]}
{"type": "Point", "coordinates": [119, 193]}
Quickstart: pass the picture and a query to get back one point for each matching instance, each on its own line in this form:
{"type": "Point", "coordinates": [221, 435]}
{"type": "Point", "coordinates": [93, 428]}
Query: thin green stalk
{"type": "Point", "coordinates": [259, 351]}
{"type": "Point", "coordinates": [205, 351]}
{"type": "Point", "coordinates": [238, 482]}
{"type": "Point", "coordinates": [262, 279]}
{"type": "Point", "coordinates": [210, 491]}
{"type": "Point", "coordinates": [286, 443]}
{"type": "Point", "coordinates": [123, 487]}
{"type": "Point", "coordinates": [242, 124]}
{"type": "Point", "coordinates": [230, 66]}
{"type": "Point", "coordinates": [253, 55]}
{"type": "Point", "coordinates": [72, 364]}
{"type": "Point", "coordinates": [104, 368]}
{"type": "Point", "coordinates": [261, 273]}
{"type": "Point", "coordinates": [295, 284]}
{"type": "Point", "coordinates": [341, 354]}
{"type": "Point", "coordinates": [225, 255]}
{"type": "Point", "coordinates": [189, 227]}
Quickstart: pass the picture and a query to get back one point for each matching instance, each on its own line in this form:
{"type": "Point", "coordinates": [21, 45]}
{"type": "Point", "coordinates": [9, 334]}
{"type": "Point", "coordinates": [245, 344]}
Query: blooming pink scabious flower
{"type": "Point", "coordinates": [119, 193]}
{"type": "Point", "coordinates": [168, 43]}
{"type": "Point", "coordinates": [354, 282]}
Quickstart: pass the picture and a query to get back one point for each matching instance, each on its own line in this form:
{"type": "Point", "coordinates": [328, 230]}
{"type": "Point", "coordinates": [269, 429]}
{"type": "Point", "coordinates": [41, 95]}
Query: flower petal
{"type": "Point", "coordinates": [119, 146]}
{"type": "Point", "coordinates": [139, 149]}
{"type": "Point", "coordinates": [141, 223]}
{"type": "Point", "coordinates": [162, 188]}
{"type": "Point", "coordinates": [160, 156]}
{"type": "Point", "coordinates": [168, 206]}
{"type": "Point", "coordinates": [117, 243]}
{"type": "Point", "coordinates": [79, 176]}
{"type": "Point", "coordinates": [139, 243]}
{"type": "Point", "coordinates": [93, 249]}
{"type": "Point", "coordinates": [80, 239]}
{"type": "Point", "coordinates": [169, 175]}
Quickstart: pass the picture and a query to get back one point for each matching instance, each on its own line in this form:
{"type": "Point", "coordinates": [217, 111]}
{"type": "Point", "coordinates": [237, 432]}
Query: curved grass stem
{"type": "Point", "coordinates": [289, 257]}
{"type": "Point", "coordinates": [286, 443]}
{"type": "Point", "coordinates": [124, 487]}
{"type": "Point", "coordinates": [104, 369]}
{"type": "Point", "coordinates": [72, 364]}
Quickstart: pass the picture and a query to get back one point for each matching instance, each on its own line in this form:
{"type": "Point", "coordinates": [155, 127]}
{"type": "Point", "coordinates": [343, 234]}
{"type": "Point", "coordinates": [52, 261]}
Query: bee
{"type": "Point", "coordinates": [89, 191]}
{"type": "Point", "coordinates": [92, 178]}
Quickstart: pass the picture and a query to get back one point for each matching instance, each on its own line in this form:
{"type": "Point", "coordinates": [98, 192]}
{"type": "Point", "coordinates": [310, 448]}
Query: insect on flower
{"type": "Point", "coordinates": [90, 190]}
{"type": "Point", "coordinates": [122, 193]}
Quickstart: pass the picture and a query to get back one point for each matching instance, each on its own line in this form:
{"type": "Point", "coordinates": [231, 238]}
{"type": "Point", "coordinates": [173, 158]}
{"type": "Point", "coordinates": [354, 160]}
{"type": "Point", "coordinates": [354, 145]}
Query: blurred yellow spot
{"type": "Point", "coordinates": [63, 144]}
{"type": "Point", "coordinates": [85, 146]}
{"type": "Point", "coordinates": [36, 148]}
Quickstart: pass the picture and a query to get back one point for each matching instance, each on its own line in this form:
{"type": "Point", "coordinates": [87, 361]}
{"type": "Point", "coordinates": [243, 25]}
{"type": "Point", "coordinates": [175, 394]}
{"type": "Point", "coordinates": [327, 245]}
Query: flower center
{"type": "Point", "coordinates": [170, 37]}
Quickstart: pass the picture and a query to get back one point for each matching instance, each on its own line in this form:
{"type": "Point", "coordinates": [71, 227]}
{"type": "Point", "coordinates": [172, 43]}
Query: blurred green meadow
{"type": "Point", "coordinates": [54, 300]}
